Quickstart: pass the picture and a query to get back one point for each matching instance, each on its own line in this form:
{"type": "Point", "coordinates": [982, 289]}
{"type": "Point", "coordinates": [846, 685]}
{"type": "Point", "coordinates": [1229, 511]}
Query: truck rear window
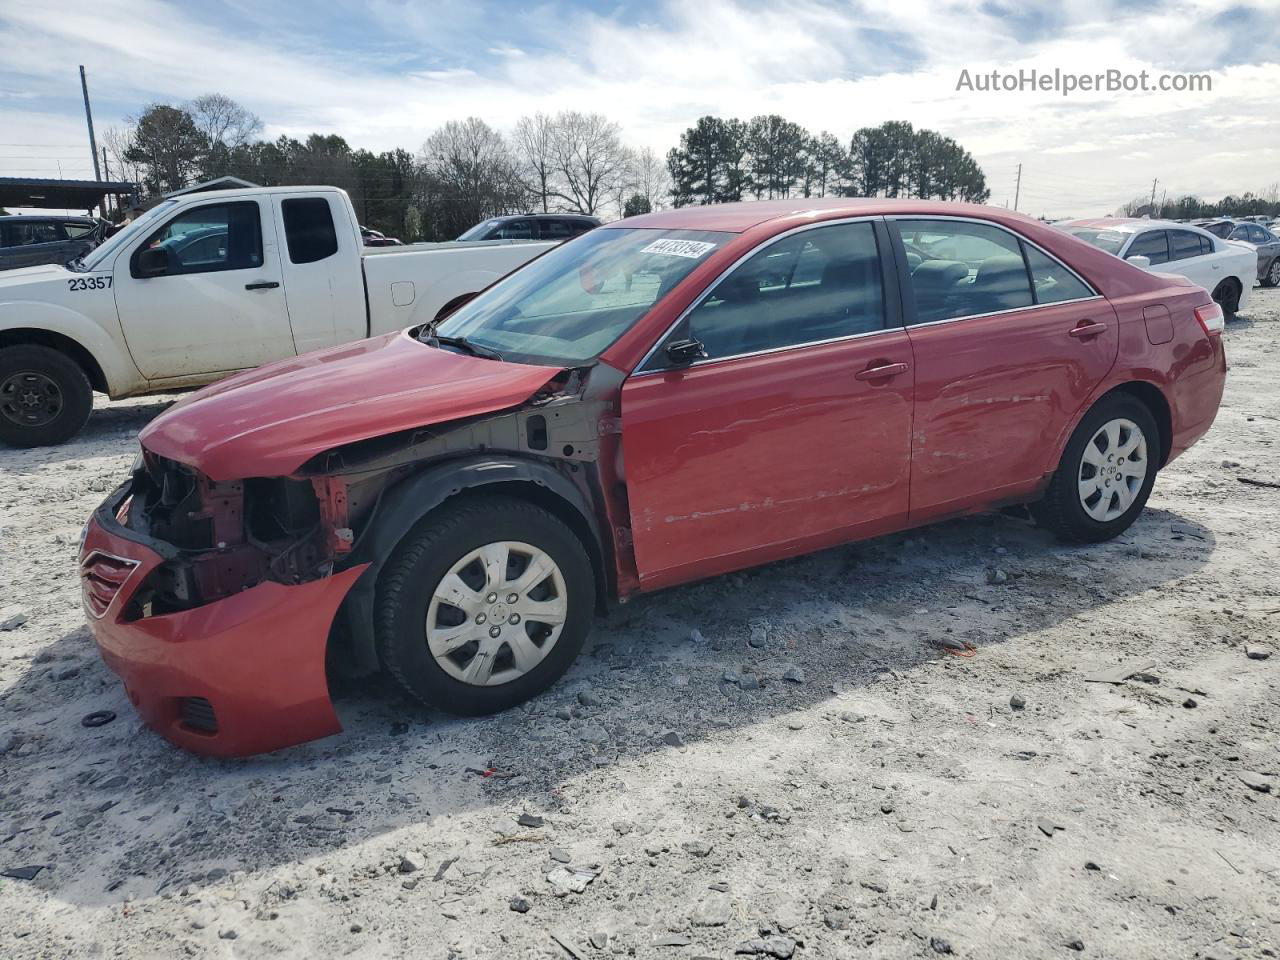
{"type": "Point", "coordinates": [308, 229]}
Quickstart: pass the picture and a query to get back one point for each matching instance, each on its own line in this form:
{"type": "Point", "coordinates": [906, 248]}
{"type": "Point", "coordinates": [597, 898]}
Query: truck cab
{"type": "Point", "coordinates": [207, 284]}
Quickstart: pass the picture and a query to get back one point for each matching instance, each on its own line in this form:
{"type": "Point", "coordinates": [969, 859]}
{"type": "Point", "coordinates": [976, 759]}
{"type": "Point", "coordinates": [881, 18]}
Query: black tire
{"type": "Point", "coordinates": [45, 397]}
{"type": "Point", "coordinates": [1061, 510]}
{"type": "Point", "coordinates": [1227, 296]}
{"type": "Point", "coordinates": [421, 561]}
{"type": "Point", "coordinates": [1272, 276]}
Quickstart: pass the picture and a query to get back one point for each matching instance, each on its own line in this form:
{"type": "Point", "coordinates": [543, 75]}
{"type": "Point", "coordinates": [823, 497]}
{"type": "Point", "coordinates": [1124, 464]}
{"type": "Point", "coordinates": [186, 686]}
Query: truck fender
{"type": "Point", "coordinates": [404, 504]}
{"type": "Point", "coordinates": [31, 321]}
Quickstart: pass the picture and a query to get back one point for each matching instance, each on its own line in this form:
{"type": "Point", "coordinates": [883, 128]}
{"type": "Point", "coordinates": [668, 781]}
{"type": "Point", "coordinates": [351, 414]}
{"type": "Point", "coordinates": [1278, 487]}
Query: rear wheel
{"type": "Point", "coordinates": [485, 604]}
{"type": "Point", "coordinates": [45, 398]}
{"type": "Point", "coordinates": [1105, 474]}
{"type": "Point", "coordinates": [1272, 277]}
{"type": "Point", "coordinates": [1227, 296]}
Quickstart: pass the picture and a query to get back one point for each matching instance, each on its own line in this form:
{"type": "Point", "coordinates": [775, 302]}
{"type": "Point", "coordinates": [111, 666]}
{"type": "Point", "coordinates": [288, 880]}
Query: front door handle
{"type": "Point", "coordinates": [882, 372]}
{"type": "Point", "coordinates": [1086, 330]}
{"type": "Point", "coordinates": [262, 285]}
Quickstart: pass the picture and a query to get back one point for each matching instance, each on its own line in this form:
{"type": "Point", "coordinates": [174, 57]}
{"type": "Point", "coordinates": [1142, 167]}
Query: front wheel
{"type": "Point", "coordinates": [486, 603]}
{"type": "Point", "coordinates": [1105, 474]}
{"type": "Point", "coordinates": [45, 398]}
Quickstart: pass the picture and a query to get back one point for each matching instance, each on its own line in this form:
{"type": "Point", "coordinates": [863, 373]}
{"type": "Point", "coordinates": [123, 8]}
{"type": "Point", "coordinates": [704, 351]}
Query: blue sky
{"type": "Point", "coordinates": [385, 73]}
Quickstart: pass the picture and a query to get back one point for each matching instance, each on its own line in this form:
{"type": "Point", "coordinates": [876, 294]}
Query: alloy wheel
{"type": "Point", "coordinates": [1112, 470]}
{"type": "Point", "coordinates": [30, 399]}
{"type": "Point", "coordinates": [1274, 273]}
{"type": "Point", "coordinates": [497, 613]}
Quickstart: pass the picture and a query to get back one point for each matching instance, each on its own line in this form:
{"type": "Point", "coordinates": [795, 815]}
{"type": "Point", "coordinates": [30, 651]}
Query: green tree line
{"type": "Point", "coordinates": [721, 160]}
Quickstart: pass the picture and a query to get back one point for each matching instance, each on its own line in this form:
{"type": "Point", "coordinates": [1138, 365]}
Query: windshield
{"type": "Point", "coordinates": [113, 243]}
{"type": "Point", "coordinates": [1220, 230]}
{"type": "Point", "coordinates": [568, 305]}
{"type": "Point", "coordinates": [1108, 240]}
{"type": "Point", "coordinates": [479, 230]}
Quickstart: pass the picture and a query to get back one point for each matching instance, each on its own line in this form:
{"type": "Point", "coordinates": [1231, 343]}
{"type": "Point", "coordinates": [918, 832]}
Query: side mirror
{"type": "Point", "coordinates": [684, 352]}
{"type": "Point", "coordinates": [152, 262]}
{"type": "Point", "coordinates": [1138, 260]}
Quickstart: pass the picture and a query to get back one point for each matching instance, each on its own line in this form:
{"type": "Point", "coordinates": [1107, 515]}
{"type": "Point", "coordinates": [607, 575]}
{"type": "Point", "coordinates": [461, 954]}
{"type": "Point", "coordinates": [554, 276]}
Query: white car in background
{"type": "Point", "coordinates": [1225, 268]}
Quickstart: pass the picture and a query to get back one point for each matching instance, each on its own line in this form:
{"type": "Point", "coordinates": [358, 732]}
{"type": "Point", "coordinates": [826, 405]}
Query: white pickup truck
{"type": "Point", "coordinates": [211, 283]}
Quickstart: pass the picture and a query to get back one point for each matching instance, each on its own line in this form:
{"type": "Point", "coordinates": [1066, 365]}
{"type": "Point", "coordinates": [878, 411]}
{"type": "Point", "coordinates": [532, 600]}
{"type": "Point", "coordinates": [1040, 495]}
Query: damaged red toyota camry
{"type": "Point", "coordinates": [663, 399]}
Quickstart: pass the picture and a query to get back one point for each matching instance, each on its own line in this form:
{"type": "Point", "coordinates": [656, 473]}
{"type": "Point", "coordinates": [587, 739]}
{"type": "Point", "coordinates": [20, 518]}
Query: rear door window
{"type": "Point", "coordinates": [555, 229]}
{"type": "Point", "coordinates": [964, 269]}
{"type": "Point", "coordinates": [308, 229]}
{"type": "Point", "coordinates": [1154, 245]}
{"type": "Point", "coordinates": [29, 234]}
{"type": "Point", "coordinates": [1183, 244]}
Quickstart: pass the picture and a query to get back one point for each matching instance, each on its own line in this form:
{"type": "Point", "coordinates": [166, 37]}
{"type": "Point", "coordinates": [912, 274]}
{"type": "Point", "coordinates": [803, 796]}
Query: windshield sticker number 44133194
{"type": "Point", "coordinates": [89, 283]}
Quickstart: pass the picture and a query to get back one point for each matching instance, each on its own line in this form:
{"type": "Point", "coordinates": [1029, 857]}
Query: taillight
{"type": "Point", "coordinates": [1211, 318]}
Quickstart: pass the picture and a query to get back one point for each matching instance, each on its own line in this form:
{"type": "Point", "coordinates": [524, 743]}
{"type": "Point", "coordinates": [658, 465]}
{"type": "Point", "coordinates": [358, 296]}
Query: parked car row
{"type": "Point", "coordinates": [450, 503]}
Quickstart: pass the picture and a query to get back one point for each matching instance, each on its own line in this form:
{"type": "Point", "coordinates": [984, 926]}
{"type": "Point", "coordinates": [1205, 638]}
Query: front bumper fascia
{"type": "Point", "coordinates": [258, 656]}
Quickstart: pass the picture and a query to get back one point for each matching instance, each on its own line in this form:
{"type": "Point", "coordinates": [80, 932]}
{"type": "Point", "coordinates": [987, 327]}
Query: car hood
{"type": "Point", "coordinates": [10, 280]}
{"type": "Point", "coordinates": [268, 422]}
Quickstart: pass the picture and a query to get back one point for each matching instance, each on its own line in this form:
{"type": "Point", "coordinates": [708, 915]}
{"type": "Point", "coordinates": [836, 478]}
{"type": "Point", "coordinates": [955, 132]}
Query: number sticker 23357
{"type": "Point", "coordinates": [89, 283]}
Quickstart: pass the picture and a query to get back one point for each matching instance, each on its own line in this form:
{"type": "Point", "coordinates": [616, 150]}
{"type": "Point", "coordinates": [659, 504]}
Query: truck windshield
{"type": "Point", "coordinates": [571, 303]}
{"type": "Point", "coordinates": [100, 254]}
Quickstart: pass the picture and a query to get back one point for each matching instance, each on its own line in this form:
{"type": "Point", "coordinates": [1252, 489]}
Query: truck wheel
{"type": "Point", "coordinates": [1106, 473]}
{"type": "Point", "coordinates": [45, 398]}
{"type": "Point", "coordinates": [484, 604]}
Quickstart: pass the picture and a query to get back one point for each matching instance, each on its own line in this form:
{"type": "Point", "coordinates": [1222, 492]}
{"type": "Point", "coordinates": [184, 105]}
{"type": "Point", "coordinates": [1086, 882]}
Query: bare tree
{"type": "Point", "coordinates": [119, 144]}
{"type": "Point", "coordinates": [470, 174]}
{"type": "Point", "coordinates": [223, 121]}
{"type": "Point", "coordinates": [589, 159]}
{"type": "Point", "coordinates": [650, 177]}
{"type": "Point", "coordinates": [532, 139]}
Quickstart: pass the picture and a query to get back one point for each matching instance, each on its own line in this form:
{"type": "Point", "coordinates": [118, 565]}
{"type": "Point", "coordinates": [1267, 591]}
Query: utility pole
{"type": "Point", "coordinates": [1153, 193]}
{"type": "Point", "coordinates": [1017, 189]}
{"type": "Point", "coordinates": [88, 117]}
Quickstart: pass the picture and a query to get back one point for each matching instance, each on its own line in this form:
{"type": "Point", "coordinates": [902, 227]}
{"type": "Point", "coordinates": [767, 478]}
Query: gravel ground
{"type": "Point", "coordinates": [771, 764]}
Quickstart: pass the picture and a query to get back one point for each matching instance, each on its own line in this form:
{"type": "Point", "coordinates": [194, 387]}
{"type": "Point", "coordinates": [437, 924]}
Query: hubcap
{"type": "Point", "coordinates": [30, 399]}
{"type": "Point", "coordinates": [1112, 469]}
{"type": "Point", "coordinates": [497, 613]}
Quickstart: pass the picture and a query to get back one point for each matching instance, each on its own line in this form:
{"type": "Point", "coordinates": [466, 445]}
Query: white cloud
{"type": "Point", "coordinates": [813, 62]}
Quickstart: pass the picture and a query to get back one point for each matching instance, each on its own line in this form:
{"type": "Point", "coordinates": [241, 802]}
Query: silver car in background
{"type": "Point", "coordinates": [29, 241]}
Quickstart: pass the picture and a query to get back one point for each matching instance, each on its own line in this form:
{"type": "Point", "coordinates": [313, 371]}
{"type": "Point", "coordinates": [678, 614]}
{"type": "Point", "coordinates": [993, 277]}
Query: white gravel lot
{"type": "Point", "coordinates": [687, 799]}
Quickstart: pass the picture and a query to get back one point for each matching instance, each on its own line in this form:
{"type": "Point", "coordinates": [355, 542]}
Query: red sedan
{"type": "Point", "coordinates": [666, 398]}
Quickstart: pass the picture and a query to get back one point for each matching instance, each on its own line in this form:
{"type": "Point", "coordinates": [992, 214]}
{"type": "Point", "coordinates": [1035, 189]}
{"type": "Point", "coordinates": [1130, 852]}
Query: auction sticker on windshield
{"type": "Point", "coordinates": [670, 247]}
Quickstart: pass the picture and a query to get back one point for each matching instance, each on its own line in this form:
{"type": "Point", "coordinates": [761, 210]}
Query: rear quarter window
{"type": "Point", "coordinates": [308, 229]}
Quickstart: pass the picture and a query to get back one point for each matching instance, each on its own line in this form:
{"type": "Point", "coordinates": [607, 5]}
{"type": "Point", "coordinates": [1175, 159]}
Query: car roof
{"type": "Point", "coordinates": [743, 216]}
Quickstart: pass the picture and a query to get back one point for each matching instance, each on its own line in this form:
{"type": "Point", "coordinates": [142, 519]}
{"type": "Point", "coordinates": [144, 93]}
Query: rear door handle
{"type": "Point", "coordinates": [880, 373]}
{"type": "Point", "coordinates": [1087, 330]}
{"type": "Point", "coordinates": [262, 285]}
